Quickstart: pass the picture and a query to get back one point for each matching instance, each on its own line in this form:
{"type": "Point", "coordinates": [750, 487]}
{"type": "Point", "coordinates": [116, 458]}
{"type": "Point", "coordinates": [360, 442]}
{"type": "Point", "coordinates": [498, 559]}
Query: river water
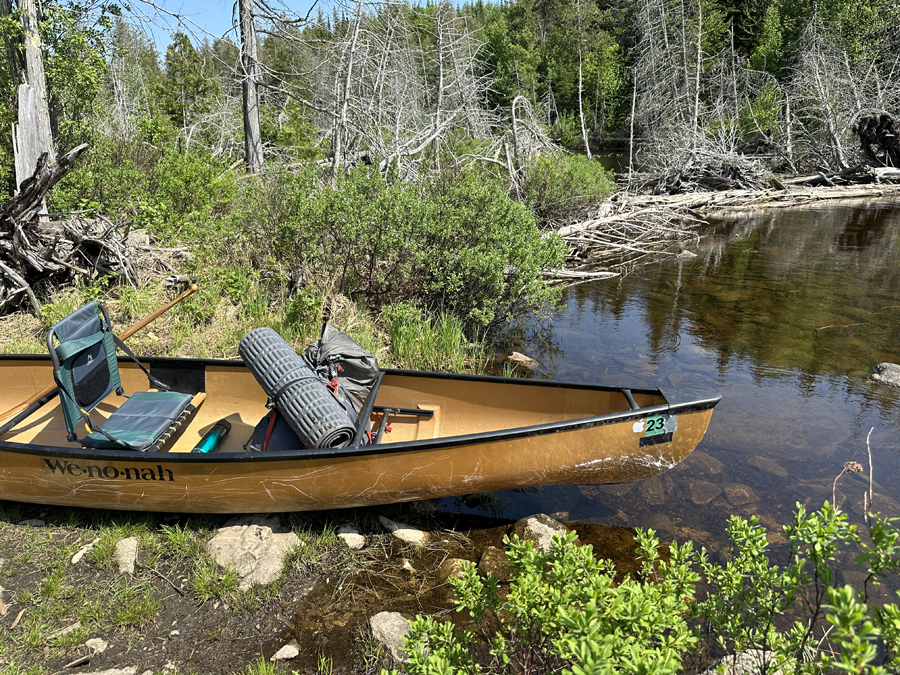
{"type": "Point", "coordinates": [784, 314]}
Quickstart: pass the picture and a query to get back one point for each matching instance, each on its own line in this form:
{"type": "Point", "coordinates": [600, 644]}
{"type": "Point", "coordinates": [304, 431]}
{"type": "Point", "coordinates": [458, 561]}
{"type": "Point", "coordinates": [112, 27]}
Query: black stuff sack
{"type": "Point", "coordinates": [274, 433]}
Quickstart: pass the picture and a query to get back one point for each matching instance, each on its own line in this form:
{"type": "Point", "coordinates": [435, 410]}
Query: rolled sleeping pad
{"type": "Point", "coordinates": [304, 401]}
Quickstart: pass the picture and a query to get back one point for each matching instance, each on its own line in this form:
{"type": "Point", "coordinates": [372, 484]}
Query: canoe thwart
{"type": "Point", "coordinates": [630, 399]}
{"type": "Point", "coordinates": [418, 412]}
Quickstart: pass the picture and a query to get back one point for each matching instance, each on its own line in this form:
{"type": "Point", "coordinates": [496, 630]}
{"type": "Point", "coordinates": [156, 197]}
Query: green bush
{"type": "Point", "coordinates": [175, 195]}
{"type": "Point", "coordinates": [456, 243]}
{"type": "Point", "coordinates": [561, 189]}
{"type": "Point", "coordinates": [564, 613]}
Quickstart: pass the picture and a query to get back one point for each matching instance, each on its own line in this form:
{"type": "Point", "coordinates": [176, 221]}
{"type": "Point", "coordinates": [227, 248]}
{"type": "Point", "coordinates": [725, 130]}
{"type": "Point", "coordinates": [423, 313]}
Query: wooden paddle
{"type": "Point", "coordinates": [127, 333]}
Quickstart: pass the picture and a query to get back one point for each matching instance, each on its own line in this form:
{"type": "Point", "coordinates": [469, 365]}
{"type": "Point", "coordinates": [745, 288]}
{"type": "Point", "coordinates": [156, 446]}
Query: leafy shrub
{"type": "Point", "coordinates": [456, 244]}
{"type": "Point", "coordinates": [564, 613]}
{"type": "Point", "coordinates": [175, 195]}
{"type": "Point", "coordinates": [561, 189]}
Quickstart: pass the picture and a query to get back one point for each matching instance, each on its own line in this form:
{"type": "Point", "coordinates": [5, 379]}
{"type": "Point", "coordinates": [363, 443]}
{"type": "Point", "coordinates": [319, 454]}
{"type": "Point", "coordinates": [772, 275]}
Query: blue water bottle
{"type": "Point", "coordinates": [212, 438]}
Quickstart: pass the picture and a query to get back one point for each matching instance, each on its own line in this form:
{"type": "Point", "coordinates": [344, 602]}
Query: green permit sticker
{"type": "Point", "coordinates": [655, 426]}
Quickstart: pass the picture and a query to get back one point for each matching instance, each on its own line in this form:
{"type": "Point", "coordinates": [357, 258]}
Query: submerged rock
{"type": "Point", "coordinates": [518, 359]}
{"type": "Point", "coordinates": [254, 547]}
{"type": "Point", "coordinates": [701, 462]}
{"type": "Point", "coordinates": [886, 373]}
{"type": "Point", "coordinates": [389, 629]}
{"type": "Point", "coordinates": [703, 492]}
{"type": "Point", "coordinates": [738, 493]}
{"type": "Point", "coordinates": [767, 465]}
{"type": "Point", "coordinates": [653, 491]}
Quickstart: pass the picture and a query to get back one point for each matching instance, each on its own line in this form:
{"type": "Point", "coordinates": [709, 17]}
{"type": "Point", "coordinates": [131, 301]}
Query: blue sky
{"type": "Point", "coordinates": [203, 18]}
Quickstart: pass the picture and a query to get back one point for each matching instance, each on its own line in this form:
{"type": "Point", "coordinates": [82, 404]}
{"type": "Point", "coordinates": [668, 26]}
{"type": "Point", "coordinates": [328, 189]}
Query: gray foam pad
{"type": "Point", "coordinates": [302, 398]}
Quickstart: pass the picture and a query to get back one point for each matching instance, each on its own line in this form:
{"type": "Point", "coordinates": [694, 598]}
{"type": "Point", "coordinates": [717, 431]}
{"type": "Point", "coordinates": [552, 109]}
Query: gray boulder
{"type": "Point", "coordinates": [404, 532]}
{"type": "Point", "coordinates": [886, 373]}
{"type": "Point", "coordinates": [389, 629]}
{"type": "Point", "coordinates": [254, 547]}
{"type": "Point", "coordinates": [126, 554]}
{"type": "Point", "coordinates": [538, 529]}
{"type": "Point", "coordinates": [493, 562]}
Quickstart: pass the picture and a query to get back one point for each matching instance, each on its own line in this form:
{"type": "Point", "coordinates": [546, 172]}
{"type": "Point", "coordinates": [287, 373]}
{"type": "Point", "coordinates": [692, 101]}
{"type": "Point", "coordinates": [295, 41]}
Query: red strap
{"type": "Point", "coordinates": [333, 385]}
{"type": "Point", "coordinates": [272, 415]}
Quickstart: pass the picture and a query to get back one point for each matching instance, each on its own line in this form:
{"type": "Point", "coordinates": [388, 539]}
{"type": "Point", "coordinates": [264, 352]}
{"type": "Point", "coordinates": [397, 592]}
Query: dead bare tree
{"type": "Point", "coordinates": [830, 94]}
{"type": "Point", "coordinates": [32, 133]}
{"type": "Point", "coordinates": [667, 78]}
{"type": "Point", "coordinates": [253, 150]}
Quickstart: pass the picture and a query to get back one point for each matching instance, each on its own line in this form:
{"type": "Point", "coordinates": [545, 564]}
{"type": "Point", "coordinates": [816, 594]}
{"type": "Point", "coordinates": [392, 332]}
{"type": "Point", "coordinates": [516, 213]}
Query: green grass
{"type": "Point", "coordinates": [260, 667]}
{"type": "Point", "coordinates": [136, 606]}
{"type": "Point", "coordinates": [209, 581]}
{"type": "Point", "coordinates": [436, 342]}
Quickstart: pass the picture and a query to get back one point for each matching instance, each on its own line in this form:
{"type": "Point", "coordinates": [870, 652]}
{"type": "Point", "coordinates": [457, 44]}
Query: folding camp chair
{"type": "Point", "coordinates": [86, 371]}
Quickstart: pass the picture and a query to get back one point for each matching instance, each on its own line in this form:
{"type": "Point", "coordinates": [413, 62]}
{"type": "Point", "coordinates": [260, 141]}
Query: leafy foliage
{"type": "Point", "coordinates": [564, 613]}
{"type": "Point", "coordinates": [385, 242]}
{"type": "Point", "coordinates": [561, 189]}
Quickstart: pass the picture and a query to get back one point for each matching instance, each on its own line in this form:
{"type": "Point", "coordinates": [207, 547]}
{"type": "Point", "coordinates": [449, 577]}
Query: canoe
{"type": "Point", "coordinates": [449, 435]}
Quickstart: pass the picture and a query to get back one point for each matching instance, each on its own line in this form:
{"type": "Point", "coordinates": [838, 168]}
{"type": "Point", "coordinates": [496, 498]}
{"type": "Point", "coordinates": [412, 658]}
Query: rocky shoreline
{"type": "Point", "coordinates": [342, 589]}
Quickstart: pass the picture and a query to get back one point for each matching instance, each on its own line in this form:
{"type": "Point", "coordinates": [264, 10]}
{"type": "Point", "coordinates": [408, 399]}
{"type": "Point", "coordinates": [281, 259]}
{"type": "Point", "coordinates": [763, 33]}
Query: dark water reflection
{"type": "Point", "coordinates": [784, 315]}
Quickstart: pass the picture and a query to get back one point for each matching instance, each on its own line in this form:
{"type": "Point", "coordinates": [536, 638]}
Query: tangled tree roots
{"type": "Point", "coordinates": [705, 172]}
{"type": "Point", "coordinates": [879, 136]}
{"type": "Point", "coordinates": [35, 250]}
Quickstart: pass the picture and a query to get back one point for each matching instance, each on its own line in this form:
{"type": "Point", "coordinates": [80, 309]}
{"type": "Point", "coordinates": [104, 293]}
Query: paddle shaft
{"type": "Point", "coordinates": [127, 333]}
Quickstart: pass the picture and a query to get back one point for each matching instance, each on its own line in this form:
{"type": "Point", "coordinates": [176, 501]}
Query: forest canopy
{"type": "Point", "coordinates": [440, 96]}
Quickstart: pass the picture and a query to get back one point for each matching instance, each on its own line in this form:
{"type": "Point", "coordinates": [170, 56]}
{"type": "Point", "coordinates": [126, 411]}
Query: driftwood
{"type": "Point", "coordinates": [861, 174]}
{"type": "Point", "coordinates": [630, 228]}
{"type": "Point", "coordinates": [36, 251]}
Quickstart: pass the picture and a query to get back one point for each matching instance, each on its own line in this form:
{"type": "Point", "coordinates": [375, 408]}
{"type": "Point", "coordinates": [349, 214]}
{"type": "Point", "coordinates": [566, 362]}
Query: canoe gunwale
{"type": "Point", "coordinates": [678, 402]}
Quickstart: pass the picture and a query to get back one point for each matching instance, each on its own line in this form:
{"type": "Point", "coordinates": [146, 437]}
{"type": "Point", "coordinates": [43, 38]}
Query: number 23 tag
{"type": "Point", "coordinates": [651, 426]}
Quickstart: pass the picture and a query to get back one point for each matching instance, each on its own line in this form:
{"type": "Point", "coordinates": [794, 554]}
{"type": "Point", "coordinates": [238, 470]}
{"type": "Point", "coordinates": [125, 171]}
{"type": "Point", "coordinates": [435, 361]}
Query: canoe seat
{"type": "Point", "coordinates": [86, 371]}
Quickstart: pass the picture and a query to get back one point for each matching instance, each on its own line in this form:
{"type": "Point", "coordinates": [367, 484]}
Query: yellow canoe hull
{"type": "Point", "coordinates": [483, 434]}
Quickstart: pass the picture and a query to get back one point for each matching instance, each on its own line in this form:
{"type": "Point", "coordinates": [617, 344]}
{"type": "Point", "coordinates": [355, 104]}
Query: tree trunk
{"type": "Point", "coordinates": [341, 123]}
{"type": "Point", "coordinates": [13, 57]}
{"type": "Point", "coordinates": [584, 134]}
{"type": "Point", "coordinates": [252, 135]}
{"type": "Point", "coordinates": [32, 135]}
